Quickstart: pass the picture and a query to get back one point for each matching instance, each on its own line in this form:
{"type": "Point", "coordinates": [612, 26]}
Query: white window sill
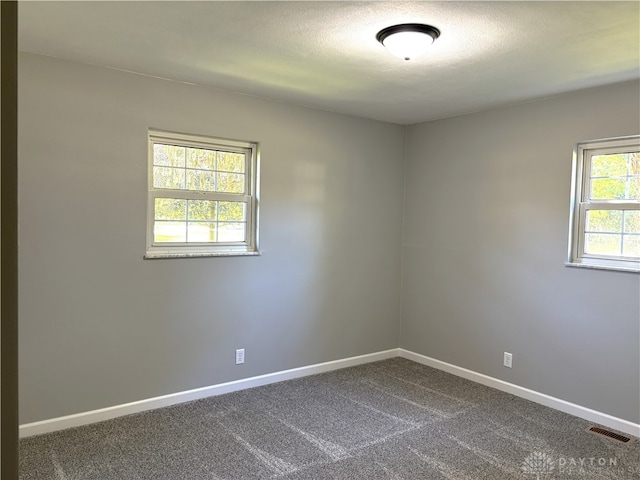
{"type": "Point", "coordinates": [611, 265]}
{"type": "Point", "coordinates": [231, 253]}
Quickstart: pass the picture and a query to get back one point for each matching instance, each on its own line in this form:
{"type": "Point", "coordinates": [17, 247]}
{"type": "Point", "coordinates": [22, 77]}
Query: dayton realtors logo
{"type": "Point", "coordinates": [541, 464]}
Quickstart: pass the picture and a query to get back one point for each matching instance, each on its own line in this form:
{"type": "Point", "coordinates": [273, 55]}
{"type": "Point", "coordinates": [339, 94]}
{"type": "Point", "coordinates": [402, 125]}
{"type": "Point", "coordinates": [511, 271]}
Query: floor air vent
{"type": "Point", "coordinates": [612, 435]}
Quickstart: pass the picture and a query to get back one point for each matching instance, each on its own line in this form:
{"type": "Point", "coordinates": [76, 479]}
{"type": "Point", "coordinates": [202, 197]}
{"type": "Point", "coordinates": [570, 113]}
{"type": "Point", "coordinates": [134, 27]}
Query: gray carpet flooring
{"type": "Point", "coordinates": [393, 419]}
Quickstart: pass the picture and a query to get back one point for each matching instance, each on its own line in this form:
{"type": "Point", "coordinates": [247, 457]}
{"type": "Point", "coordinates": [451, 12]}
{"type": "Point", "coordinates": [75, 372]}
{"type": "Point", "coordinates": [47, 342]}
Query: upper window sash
{"type": "Point", "coordinates": [588, 178]}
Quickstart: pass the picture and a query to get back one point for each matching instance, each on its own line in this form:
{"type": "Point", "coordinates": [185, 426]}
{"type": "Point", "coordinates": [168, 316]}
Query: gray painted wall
{"type": "Point", "coordinates": [485, 235]}
{"type": "Point", "coordinates": [485, 238]}
{"type": "Point", "coordinates": [100, 326]}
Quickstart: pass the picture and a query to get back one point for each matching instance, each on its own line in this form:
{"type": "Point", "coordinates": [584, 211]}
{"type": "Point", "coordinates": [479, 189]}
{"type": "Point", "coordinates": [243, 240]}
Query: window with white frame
{"type": "Point", "coordinates": [202, 196]}
{"type": "Point", "coordinates": [605, 210]}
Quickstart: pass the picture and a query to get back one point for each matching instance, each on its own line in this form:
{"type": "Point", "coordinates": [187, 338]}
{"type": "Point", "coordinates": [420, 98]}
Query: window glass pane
{"type": "Point", "coordinates": [202, 232]}
{"type": "Point", "coordinates": [609, 165]}
{"type": "Point", "coordinates": [602, 243]}
{"type": "Point", "coordinates": [231, 232]}
{"type": "Point", "coordinates": [168, 155]}
{"type": "Point", "coordinates": [170, 209]}
{"type": "Point", "coordinates": [633, 192]}
{"type": "Point", "coordinates": [634, 163]}
{"type": "Point", "coordinates": [615, 177]}
{"type": "Point", "coordinates": [201, 159]}
{"type": "Point", "coordinates": [202, 210]}
{"type": "Point", "coordinates": [608, 188]}
{"type": "Point", "coordinates": [604, 221]}
{"type": "Point", "coordinates": [230, 183]}
{"type": "Point", "coordinates": [232, 211]}
{"type": "Point", "coordinates": [169, 231]}
{"type": "Point", "coordinates": [201, 180]}
{"type": "Point", "coordinates": [231, 162]}
{"type": "Point", "coordinates": [171, 178]}
{"type": "Point", "coordinates": [631, 246]}
{"type": "Point", "coordinates": [632, 221]}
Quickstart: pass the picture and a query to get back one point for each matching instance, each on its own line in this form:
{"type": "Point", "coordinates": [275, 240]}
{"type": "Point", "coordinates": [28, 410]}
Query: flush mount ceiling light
{"type": "Point", "coordinates": [408, 40]}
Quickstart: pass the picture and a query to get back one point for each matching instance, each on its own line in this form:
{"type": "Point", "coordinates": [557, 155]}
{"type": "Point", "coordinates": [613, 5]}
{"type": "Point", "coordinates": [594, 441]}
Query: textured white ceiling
{"type": "Point", "coordinates": [325, 55]}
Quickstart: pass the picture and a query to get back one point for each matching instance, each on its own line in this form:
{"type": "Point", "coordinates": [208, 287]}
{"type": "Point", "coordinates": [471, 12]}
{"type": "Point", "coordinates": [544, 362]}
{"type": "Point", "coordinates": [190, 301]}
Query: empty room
{"type": "Point", "coordinates": [328, 240]}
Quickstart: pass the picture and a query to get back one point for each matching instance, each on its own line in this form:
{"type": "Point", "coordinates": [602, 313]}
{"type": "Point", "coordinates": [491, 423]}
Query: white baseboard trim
{"type": "Point", "coordinates": [85, 418]}
{"type": "Point", "coordinates": [537, 397]}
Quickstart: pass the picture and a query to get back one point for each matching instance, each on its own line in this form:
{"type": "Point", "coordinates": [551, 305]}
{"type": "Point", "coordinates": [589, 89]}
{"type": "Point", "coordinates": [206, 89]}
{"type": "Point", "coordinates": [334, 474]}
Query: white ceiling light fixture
{"type": "Point", "coordinates": [408, 40]}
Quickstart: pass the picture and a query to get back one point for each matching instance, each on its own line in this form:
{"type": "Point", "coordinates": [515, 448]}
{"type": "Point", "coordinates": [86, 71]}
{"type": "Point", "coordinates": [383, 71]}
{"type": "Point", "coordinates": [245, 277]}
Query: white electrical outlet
{"type": "Point", "coordinates": [239, 356]}
{"type": "Point", "coordinates": [508, 359]}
